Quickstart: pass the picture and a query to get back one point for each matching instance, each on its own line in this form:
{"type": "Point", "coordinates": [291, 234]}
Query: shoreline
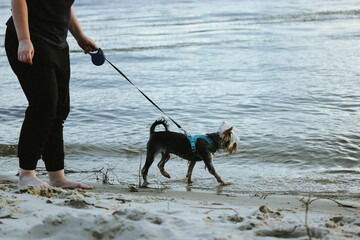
{"type": "Point", "coordinates": [121, 212]}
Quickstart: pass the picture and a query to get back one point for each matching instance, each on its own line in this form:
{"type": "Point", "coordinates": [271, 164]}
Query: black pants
{"type": "Point", "coordinates": [46, 87]}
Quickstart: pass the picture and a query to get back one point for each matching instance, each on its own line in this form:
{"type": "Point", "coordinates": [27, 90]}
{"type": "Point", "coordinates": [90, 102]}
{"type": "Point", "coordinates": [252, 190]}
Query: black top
{"type": "Point", "coordinates": [49, 20]}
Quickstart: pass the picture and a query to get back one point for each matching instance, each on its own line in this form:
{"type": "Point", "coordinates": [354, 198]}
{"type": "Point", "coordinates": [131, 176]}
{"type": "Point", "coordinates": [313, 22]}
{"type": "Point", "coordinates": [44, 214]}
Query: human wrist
{"type": "Point", "coordinates": [24, 40]}
{"type": "Point", "coordinates": [25, 43]}
{"type": "Point", "coordinates": [80, 36]}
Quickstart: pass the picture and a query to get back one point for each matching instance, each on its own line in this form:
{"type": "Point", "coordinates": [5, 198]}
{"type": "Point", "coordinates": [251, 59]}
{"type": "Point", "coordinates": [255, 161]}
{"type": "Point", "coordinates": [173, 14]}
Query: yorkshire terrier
{"type": "Point", "coordinates": [193, 149]}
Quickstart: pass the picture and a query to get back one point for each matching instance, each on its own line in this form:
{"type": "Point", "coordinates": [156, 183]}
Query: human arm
{"type": "Point", "coordinates": [20, 17]}
{"type": "Point", "coordinates": [86, 43]}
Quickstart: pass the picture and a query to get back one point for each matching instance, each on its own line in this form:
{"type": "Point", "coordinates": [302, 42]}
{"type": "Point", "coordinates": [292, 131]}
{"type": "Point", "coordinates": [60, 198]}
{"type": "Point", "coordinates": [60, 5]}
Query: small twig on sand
{"type": "Point", "coordinates": [106, 174]}
{"type": "Point", "coordinates": [132, 188]}
{"type": "Point", "coordinates": [307, 205]}
{"type": "Point", "coordinates": [8, 216]}
{"type": "Point", "coordinates": [161, 183]}
{"type": "Point", "coordinates": [140, 170]}
{"type": "Point", "coordinates": [102, 173]}
{"type": "Point", "coordinates": [213, 209]}
{"type": "Point", "coordinates": [262, 196]}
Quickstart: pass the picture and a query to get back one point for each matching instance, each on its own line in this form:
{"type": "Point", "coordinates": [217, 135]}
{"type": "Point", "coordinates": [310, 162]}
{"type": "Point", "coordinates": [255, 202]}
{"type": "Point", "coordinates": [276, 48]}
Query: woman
{"type": "Point", "coordinates": [38, 53]}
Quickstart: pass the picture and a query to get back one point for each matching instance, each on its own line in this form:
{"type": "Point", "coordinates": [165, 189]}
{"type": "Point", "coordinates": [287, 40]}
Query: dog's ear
{"type": "Point", "coordinates": [234, 148]}
{"type": "Point", "coordinates": [228, 130]}
{"type": "Point", "coordinates": [227, 134]}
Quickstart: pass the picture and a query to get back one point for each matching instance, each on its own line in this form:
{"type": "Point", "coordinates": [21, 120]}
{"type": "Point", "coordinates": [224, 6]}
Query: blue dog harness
{"type": "Point", "coordinates": [193, 139]}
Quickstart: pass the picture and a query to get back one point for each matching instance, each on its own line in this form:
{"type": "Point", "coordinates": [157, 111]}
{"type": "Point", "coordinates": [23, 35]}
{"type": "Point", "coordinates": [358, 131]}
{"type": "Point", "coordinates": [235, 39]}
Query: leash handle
{"type": "Point", "coordinates": [151, 101]}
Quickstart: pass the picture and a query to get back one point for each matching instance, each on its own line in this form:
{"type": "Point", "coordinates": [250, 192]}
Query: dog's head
{"type": "Point", "coordinates": [229, 139]}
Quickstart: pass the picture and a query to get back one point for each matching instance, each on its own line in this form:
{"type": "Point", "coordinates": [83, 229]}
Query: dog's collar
{"type": "Point", "coordinates": [193, 139]}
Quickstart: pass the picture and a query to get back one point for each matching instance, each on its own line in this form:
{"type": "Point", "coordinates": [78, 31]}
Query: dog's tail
{"type": "Point", "coordinates": [159, 122]}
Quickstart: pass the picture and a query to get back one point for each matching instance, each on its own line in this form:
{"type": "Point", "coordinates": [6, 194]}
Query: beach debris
{"type": "Point", "coordinates": [250, 224]}
{"type": "Point", "coordinates": [8, 216]}
{"type": "Point", "coordinates": [4, 188]}
{"type": "Point", "coordinates": [139, 175]}
{"type": "Point", "coordinates": [262, 196]}
{"type": "Point", "coordinates": [235, 218]}
{"type": "Point", "coordinates": [265, 209]}
{"type": "Point", "coordinates": [42, 192]}
{"type": "Point", "coordinates": [77, 203]}
{"type": "Point", "coordinates": [213, 209]}
{"type": "Point", "coordinates": [307, 203]}
{"type": "Point", "coordinates": [226, 195]}
{"type": "Point", "coordinates": [336, 219]}
{"type": "Point", "coordinates": [343, 222]}
{"type": "Point", "coordinates": [330, 224]}
{"type": "Point", "coordinates": [132, 188]}
{"type": "Point", "coordinates": [53, 192]}
{"type": "Point", "coordinates": [217, 203]}
{"type": "Point", "coordinates": [5, 182]}
{"type": "Point", "coordinates": [122, 200]}
{"type": "Point", "coordinates": [106, 175]}
{"type": "Point", "coordinates": [209, 219]}
{"type": "Point", "coordinates": [266, 212]}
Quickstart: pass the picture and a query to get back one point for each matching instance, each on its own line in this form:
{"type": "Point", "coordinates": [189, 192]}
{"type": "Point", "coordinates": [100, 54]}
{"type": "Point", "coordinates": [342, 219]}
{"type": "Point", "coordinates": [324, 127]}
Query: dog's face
{"type": "Point", "coordinates": [229, 139]}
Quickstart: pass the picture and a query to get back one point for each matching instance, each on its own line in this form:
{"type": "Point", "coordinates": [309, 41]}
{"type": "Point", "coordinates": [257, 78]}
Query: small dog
{"type": "Point", "coordinates": [167, 142]}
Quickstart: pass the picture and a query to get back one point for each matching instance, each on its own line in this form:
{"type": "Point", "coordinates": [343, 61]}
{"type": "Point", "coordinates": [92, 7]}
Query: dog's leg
{"type": "Point", "coordinates": [210, 166]}
{"type": "Point", "coordinates": [190, 170]}
{"type": "Point", "coordinates": [165, 157]}
{"type": "Point", "coordinates": [150, 157]}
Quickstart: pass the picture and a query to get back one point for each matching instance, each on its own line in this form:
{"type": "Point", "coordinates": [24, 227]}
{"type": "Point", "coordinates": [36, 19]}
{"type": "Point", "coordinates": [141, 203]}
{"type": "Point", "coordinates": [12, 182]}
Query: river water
{"type": "Point", "coordinates": [285, 74]}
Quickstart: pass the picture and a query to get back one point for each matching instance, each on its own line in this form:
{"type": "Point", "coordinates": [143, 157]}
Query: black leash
{"type": "Point", "coordinates": [99, 58]}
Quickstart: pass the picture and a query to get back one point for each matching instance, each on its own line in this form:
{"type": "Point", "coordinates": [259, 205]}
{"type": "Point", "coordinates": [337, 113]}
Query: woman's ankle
{"type": "Point", "coordinates": [58, 175]}
{"type": "Point", "coordinates": [58, 179]}
{"type": "Point", "coordinates": [29, 178]}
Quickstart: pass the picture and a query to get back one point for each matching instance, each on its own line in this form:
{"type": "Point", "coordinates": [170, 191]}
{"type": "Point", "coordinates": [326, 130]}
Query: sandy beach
{"type": "Point", "coordinates": [123, 212]}
{"type": "Point", "coordinates": [285, 74]}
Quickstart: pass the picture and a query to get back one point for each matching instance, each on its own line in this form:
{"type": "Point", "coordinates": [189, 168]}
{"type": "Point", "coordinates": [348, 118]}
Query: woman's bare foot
{"type": "Point", "coordinates": [29, 178]}
{"type": "Point", "coordinates": [58, 179]}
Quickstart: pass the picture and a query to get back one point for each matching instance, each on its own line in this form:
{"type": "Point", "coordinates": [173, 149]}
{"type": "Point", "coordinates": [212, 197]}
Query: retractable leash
{"type": "Point", "coordinates": [98, 58]}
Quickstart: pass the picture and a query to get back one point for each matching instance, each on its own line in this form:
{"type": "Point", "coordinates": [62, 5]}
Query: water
{"type": "Point", "coordinates": [285, 74]}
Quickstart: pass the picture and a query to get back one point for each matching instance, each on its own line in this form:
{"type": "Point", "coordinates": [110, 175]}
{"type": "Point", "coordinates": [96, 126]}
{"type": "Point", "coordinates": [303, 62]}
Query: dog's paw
{"type": "Point", "coordinates": [165, 174]}
{"type": "Point", "coordinates": [144, 185]}
{"type": "Point", "coordinates": [225, 183]}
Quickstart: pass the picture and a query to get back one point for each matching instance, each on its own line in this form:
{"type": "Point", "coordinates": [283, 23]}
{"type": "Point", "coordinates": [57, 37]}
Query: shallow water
{"type": "Point", "coordinates": [285, 74]}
